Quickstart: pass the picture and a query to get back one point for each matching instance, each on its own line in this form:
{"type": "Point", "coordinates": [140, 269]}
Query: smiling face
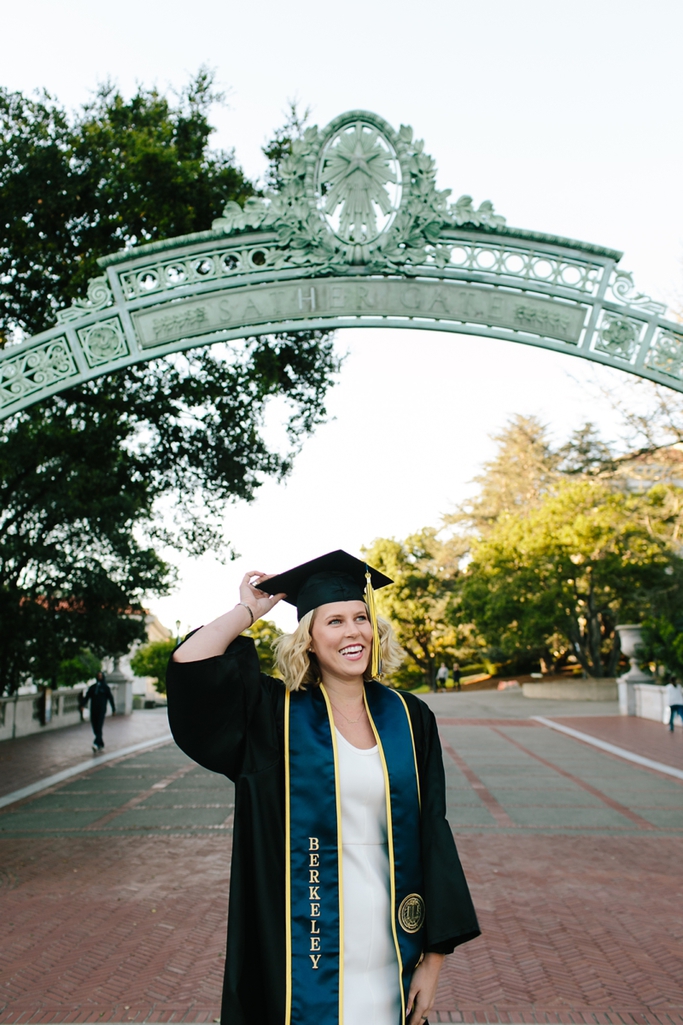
{"type": "Point", "coordinates": [341, 639]}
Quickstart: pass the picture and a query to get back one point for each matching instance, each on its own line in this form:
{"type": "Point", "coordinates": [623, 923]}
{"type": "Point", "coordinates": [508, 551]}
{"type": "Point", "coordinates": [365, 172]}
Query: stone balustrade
{"type": "Point", "coordinates": [23, 714]}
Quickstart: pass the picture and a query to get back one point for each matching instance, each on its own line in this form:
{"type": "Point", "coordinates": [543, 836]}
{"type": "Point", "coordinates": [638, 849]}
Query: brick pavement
{"type": "Point", "coordinates": [28, 759]}
{"type": "Point", "coordinates": [117, 931]}
{"type": "Point", "coordinates": [115, 885]}
{"type": "Point", "coordinates": [569, 924]}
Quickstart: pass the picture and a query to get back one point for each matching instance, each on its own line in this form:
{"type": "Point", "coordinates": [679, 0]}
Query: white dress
{"type": "Point", "coordinates": [371, 977]}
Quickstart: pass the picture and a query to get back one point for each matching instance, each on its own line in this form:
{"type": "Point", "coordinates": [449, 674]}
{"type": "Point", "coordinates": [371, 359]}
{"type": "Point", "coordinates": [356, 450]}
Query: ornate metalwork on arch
{"type": "Point", "coordinates": [356, 236]}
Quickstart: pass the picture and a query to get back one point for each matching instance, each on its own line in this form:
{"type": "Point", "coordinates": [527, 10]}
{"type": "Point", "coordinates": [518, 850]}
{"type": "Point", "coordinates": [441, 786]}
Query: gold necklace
{"type": "Point", "coordinates": [344, 713]}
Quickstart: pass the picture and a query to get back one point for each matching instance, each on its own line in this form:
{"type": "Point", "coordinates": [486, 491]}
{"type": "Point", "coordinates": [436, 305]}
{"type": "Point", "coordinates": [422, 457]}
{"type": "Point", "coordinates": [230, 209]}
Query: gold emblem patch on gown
{"type": "Point", "coordinates": [411, 912]}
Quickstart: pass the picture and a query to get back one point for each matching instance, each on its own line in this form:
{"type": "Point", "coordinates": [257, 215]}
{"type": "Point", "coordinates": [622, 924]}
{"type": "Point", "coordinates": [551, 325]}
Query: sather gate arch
{"type": "Point", "coordinates": [357, 236]}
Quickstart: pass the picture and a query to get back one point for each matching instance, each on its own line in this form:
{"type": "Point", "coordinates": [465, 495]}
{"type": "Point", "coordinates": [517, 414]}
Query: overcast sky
{"type": "Point", "coordinates": [566, 116]}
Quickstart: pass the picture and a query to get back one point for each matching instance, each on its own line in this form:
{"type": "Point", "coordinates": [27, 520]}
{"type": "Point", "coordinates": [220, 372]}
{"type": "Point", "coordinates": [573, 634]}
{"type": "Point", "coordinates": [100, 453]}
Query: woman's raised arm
{"type": "Point", "coordinates": [215, 637]}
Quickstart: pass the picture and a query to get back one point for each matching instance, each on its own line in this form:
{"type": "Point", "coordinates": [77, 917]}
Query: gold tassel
{"type": "Point", "coordinates": [376, 667]}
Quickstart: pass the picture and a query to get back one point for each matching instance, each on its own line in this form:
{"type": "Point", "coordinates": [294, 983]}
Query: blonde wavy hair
{"type": "Point", "coordinates": [298, 666]}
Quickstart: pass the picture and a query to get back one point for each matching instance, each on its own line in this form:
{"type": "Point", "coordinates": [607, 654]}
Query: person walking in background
{"type": "Point", "coordinates": [456, 675]}
{"type": "Point", "coordinates": [98, 695]}
{"type": "Point", "coordinates": [674, 696]}
{"type": "Point", "coordinates": [441, 676]}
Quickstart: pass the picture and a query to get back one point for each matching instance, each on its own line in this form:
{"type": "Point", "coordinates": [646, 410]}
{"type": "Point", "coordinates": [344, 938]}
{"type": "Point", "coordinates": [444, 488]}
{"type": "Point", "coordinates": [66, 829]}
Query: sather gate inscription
{"type": "Point", "coordinates": [357, 236]}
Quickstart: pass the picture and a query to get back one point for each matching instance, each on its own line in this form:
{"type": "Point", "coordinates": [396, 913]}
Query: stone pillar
{"type": "Point", "coordinates": [630, 638]}
{"type": "Point", "coordinates": [122, 689]}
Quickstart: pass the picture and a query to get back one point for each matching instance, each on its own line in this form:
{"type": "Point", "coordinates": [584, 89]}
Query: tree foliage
{"type": "Point", "coordinates": [416, 603]}
{"type": "Point", "coordinates": [517, 477]}
{"type": "Point", "coordinates": [559, 543]}
{"type": "Point", "coordinates": [82, 667]}
{"type": "Point", "coordinates": [279, 147]}
{"type": "Point", "coordinates": [152, 660]}
{"type": "Point", "coordinates": [526, 467]}
{"type": "Point", "coordinates": [663, 643]}
{"type": "Point", "coordinates": [117, 173]}
{"type": "Point", "coordinates": [557, 580]}
{"type": "Point", "coordinates": [96, 477]}
{"type": "Point", "coordinates": [264, 633]}
{"type": "Point", "coordinates": [652, 416]}
{"type": "Point", "coordinates": [73, 573]}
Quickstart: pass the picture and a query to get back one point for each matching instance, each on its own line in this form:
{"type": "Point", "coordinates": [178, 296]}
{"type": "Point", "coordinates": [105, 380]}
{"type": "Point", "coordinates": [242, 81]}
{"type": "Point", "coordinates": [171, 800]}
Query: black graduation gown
{"type": "Point", "coordinates": [226, 715]}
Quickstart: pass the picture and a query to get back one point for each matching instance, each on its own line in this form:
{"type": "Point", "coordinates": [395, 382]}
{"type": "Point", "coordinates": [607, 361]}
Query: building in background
{"type": "Point", "coordinates": [143, 689]}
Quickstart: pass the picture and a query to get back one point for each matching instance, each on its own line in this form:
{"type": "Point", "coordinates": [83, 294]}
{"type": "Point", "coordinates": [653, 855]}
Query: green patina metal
{"type": "Point", "coordinates": [358, 235]}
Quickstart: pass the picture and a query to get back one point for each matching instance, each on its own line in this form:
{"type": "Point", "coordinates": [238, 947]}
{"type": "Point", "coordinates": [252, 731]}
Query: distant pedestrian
{"type": "Point", "coordinates": [456, 675]}
{"type": "Point", "coordinates": [98, 695]}
{"type": "Point", "coordinates": [674, 697]}
{"type": "Point", "coordinates": [441, 676]}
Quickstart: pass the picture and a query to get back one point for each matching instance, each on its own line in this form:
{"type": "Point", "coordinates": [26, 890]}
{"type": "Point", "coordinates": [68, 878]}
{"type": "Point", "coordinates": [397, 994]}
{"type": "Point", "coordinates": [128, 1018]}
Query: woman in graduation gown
{"type": "Point", "coordinates": [346, 890]}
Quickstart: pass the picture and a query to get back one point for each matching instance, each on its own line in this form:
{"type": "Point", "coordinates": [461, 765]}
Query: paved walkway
{"type": "Point", "coordinates": [29, 759]}
{"type": "Point", "coordinates": [510, 704]}
{"type": "Point", "coordinates": [113, 884]}
{"type": "Point", "coordinates": [642, 736]}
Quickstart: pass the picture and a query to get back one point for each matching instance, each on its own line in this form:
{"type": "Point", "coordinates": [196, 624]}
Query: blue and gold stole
{"type": "Point", "coordinates": [313, 849]}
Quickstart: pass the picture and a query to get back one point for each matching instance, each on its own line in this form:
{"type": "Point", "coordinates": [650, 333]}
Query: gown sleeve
{"type": "Point", "coordinates": [450, 915]}
{"type": "Point", "coordinates": [222, 710]}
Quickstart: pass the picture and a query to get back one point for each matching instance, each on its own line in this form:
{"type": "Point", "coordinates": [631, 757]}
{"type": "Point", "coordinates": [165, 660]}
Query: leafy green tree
{"type": "Point", "coordinates": [525, 468]}
{"type": "Point", "coordinates": [663, 643]}
{"type": "Point", "coordinates": [73, 573]}
{"type": "Point", "coordinates": [522, 470]}
{"type": "Point", "coordinates": [279, 147]}
{"type": "Point", "coordinates": [117, 173]}
{"type": "Point", "coordinates": [558, 579]}
{"type": "Point", "coordinates": [82, 667]}
{"type": "Point", "coordinates": [83, 476]}
{"type": "Point", "coordinates": [586, 455]}
{"type": "Point", "coordinates": [152, 660]}
{"type": "Point", "coordinates": [265, 633]}
{"type": "Point", "coordinates": [416, 603]}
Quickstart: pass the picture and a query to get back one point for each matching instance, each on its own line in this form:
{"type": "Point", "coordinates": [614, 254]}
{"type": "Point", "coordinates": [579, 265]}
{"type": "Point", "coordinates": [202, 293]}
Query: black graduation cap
{"type": "Point", "coordinates": [336, 576]}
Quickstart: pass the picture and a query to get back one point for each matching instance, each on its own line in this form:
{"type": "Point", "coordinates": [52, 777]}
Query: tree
{"type": "Point", "coordinates": [586, 455]}
{"type": "Point", "coordinates": [652, 418]}
{"type": "Point", "coordinates": [264, 633]}
{"type": "Point", "coordinates": [556, 581]}
{"type": "Point", "coordinates": [522, 470]}
{"type": "Point", "coordinates": [663, 643]}
{"type": "Point", "coordinates": [119, 172]}
{"type": "Point", "coordinates": [279, 147]}
{"type": "Point", "coordinates": [73, 573]}
{"type": "Point", "coordinates": [416, 603]}
{"type": "Point", "coordinates": [84, 476]}
{"type": "Point", "coordinates": [79, 669]}
{"type": "Point", "coordinates": [152, 660]}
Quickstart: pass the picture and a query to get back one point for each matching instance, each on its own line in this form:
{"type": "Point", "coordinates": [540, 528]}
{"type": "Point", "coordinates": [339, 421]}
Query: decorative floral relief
{"type": "Point", "coordinates": [666, 354]}
{"type": "Point", "coordinates": [356, 166]}
{"type": "Point", "coordinates": [103, 343]}
{"type": "Point", "coordinates": [618, 337]}
{"type": "Point", "coordinates": [463, 212]}
{"type": "Point", "coordinates": [624, 290]}
{"type": "Point", "coordinates": [355, 176]}
{"type": "Point", "coordinates": [99, 296]}
{"type": "Point", "coordinates": [34, 370]}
